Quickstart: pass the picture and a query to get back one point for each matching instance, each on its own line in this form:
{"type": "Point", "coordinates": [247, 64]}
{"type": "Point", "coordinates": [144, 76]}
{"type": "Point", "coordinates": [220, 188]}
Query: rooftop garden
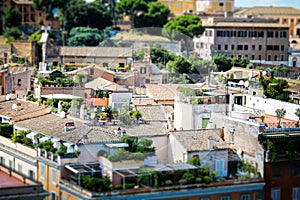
{"type": "Point", "coordinates": [148, 177]}
{"type": "Point", "coordinates": [47, 147]}
{"type": "Point", "coordinates": [138, 149]}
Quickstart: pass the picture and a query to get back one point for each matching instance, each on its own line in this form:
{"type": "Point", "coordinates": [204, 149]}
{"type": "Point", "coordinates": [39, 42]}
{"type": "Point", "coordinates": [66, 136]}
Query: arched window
{"type": "Point", "coordinates": [295, 62]}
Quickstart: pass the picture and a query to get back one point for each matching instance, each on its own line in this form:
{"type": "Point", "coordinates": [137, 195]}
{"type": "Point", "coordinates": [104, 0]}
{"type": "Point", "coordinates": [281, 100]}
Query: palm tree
{"type": "Point", "coordinates": [297, 113]}
{"type": "Point", "coordinates": [280, 113]}
{"type": "Point", "coordinates": [109, 113]}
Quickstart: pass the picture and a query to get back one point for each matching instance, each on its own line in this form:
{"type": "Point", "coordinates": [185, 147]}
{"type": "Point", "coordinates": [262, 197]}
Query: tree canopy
{"type": "Point", "coordinates": [78, 13]}
{"type": "Point", "coordinates": [156, 15]}
{"type": "Point", "coordinates": [82, 36]}
{"type": "Point", "coordinates": [12, 17]}
{"type": "Point", "coordinates": [182, 26]}
{"type": "Point", "coordinates": [223, 62]}
{"type": "Point", "coordinates": [179, 65]}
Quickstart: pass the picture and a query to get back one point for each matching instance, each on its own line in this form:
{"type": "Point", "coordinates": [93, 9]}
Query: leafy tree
{"type": "Point", "coordinates": [13, 33]}
{"type": "Point", "coordinates": [78, 13]}
{"type": "Point", "coordinates": [156, 15]}
{"type": "Point", "coordinates": [161, 56]}
{"type": "Point", "coordinates": [131, 8]}
{"type": "Point", "coordinates": [201, 66]}
{"type": "Point", "coordinates": [184, 27]}
{"type": "Point", "coordinates": [135, 113]}
{"type": "Point", "coordinates": [179, 65]}
{"type": "Point", "coordinates": [241, 62]}
{"type": "Point", "coordinates": [81, 36]}
{"type": "Point", "coordinates": [223, 62]}
{"type": "Point", "coordinates": [12, 17]}
{"type": "Point", "coordinates": [280, 113]}
{"type": "Point", "coordinates": [297, 113]}
{"type": "Point", "coordinates": [181, 79]}
{"type": "Point", "coordinates": [195, 161]}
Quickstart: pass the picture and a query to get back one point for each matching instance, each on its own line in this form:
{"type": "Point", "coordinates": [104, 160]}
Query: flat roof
{"type": "Point", "coordinates": [10, 181]}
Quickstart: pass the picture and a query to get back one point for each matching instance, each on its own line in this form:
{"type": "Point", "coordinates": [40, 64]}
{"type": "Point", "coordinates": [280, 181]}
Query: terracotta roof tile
{"type": "Point", "coordinates": [22, 108]}
{"type": "Point", "coordinates": [197, 140]}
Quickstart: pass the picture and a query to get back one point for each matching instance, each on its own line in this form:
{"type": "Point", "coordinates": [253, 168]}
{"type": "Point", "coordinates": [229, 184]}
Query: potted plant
{"type": "Point", "coordinates": [280, 113]}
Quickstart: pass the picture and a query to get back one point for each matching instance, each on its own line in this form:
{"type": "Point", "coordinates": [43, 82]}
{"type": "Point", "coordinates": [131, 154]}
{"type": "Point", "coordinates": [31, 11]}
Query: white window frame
{"type": "Point", "coordinates": [225, 197]}
{"type": "Point", "coordinates": [296, 193]}
{"type": "Point", "coordinates": [275, 194]}
{"type": "Point", "coordinates": [245, 197]}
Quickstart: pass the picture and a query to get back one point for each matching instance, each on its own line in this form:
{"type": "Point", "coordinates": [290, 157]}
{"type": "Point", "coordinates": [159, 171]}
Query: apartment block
{"type": "Point", "coordinates": [262, 41]}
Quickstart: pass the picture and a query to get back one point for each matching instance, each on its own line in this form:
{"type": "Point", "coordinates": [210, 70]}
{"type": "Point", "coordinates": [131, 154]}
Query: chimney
{"type": "Point", "coordinates": [69, 126]}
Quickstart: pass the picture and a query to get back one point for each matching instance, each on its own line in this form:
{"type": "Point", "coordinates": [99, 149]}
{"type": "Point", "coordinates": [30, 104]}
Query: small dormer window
{"type": "Point", "coordinates": [143, 70]}
{"type": "Point", "coordinates": [19, 82]}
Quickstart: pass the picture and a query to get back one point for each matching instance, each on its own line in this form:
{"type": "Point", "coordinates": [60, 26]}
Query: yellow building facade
{"type": "Point", "coordinates": [179, 7]}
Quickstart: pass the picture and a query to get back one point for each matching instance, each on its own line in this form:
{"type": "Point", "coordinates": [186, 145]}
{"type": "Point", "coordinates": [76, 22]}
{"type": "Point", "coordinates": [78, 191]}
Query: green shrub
{"type": "Point", "coordinates": [129, 185]}
{"type": "Point", "coordinates": [207, 179]}
{"type": "Point", "coordinates": [62, 150]}
{"type": "Point", "coordinates": [190, 178]}
{"type": "Point", "coordinates": [6, 130]}
{"type": "Point", "coordinates": [118, 187]}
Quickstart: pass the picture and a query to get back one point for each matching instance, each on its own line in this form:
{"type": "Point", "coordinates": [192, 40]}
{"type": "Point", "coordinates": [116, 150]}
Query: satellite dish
{"type": "Point", "coordinates": [241, 82]}
{"type": "Point", "coordinates": [239, 151]}
{"type": "Point", "coordinates": [62, 114]}
{"type": "Point", "coordinates": [14, 106]}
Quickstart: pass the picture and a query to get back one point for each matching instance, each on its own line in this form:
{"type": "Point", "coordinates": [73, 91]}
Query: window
{"type": "Point", "coordinates": [282, 34]}
{"type": "Point", "coordinates": [276, 34]}
{"type": "Point", "coordinates": [269, 57]}
{"type": "Point", "coordinates": [275, 194]}
{"type": "Point", "coordinates": [63, 197]}
{"type": "Point", "coordinates": [296, 169]}
{"type": "Point", "coordinates": [31, 174]}
{"type": "Point", "coordinates": [253, 47]}
{"type": "Point", "coordinates": [245, 47]}
{"type": "Point", "coordinates": [269, 47]}
{"type": "Point", "coordinates": [296, 193]}
{"type": "Point", "coordinates": [219, 166]}
{"type": "Point", "coordinates": [260, 47]}
{"type": "Point", "coordinates": [240, 34]}
{"type": "Point", "coordinates": [232, 47]}
{"type": "Point", "coordinates": [19, 82]}
{"type": "Point", "coordinates": [221, 4]}
{"type": "Point", "coordinates": [42, 171]}
{"type": "Point", "coordinates": [175, 5]}
{"type": "Point", "coordinates": [261, 34]}
{"type": "Point", "coordinates": [219, 47]}
{"type": "Point", "coordinates": [92, 71]}
{"type": "Point", "coordinates": [226, 47]}
{"type": "Point", "coordinates": [275, 57]}
{"type": "Point", "coordinates": [240, 47]}
{"type": "Point", "coordinates": [281, 57]}
{"type": "Point", "coordinates": [245, 197]}
{"type": "Point", "coordinates": [276, 171]}
{"type": "Point", "coordinates": [226, 33]}
{"type": "Point", "coordinates": [2, 161]}
{"type": "Point", "coordinates": [105, 65]}
{"type": "Point", "coordinates": [54, 176]}
{"type": "Point", "coordinates": [282, 47]}
{"type": "Point", "coordinates": [252, 57]}
{"type": "Point", "coordinates": [10, 164]}
{"type": "Point", "coordinates": [20, 168]}
{"type": "Point", "coordinates": [276, 47]}
{"type": "Point", "coordinates": [143, 70]}
{"type": "Point", "coordinates": [204, 198]}
{"type": "Point", "coordinates": [52, 196]}
{"type": "Point", "coordinates": [270, 34]}
{"type": "Point", "coordinates": [225, 197]}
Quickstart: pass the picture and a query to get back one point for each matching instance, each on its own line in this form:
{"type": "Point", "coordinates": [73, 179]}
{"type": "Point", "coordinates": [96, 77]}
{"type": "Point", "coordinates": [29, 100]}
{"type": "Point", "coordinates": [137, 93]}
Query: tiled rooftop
{"type": "Point", "coordinates": [111, 52]}
{"type": "Point", "coordinates": [103, 83]}
{"type": "Point", "coordinates": [269, 11]}
{"type": "Point", "coordinates": [21, 108]}
{"type": "Point", "coordinates": [53, 125]}
{"type": "Point", "coordinates": [153, 128]}
{"type": "Point", "coordinates": [152, 112]}
{"type": "Point", "coordinates": [197, 140]}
